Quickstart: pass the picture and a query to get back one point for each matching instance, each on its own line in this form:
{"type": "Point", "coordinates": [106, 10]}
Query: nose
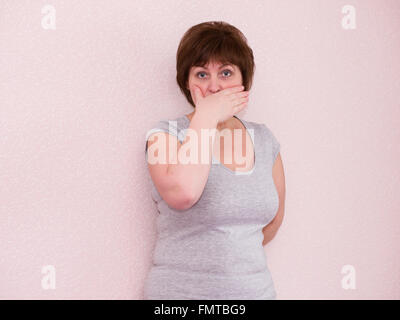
{"type": "Point", "coordinates": [214, 85]}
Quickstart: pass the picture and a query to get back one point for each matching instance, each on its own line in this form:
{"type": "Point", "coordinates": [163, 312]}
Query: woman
{"type": "Point", "coordinates": [214, 216]}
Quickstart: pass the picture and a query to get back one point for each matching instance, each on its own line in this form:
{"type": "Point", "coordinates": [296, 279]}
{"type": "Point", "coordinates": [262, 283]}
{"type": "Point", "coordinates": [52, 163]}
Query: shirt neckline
{"type": "Point", "coordinates": [234, 172]}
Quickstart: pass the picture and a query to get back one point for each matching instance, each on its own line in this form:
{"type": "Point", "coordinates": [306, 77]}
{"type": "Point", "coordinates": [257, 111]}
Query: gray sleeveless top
{"type": "Point", "coordinates": [213, 250]}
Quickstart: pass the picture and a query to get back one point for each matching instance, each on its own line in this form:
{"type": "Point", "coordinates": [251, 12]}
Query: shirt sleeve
{"type": "Point", "coordinates": [275, 145]}
{"type": "Point", "coordinates": [168, 126]}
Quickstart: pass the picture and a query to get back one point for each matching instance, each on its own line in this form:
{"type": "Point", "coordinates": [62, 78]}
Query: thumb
{"type": "Point", "coordinates": [197, 94]}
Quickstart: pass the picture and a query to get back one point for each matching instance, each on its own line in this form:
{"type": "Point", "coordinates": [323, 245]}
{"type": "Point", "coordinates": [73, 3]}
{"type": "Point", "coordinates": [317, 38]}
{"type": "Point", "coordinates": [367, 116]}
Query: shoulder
{"type": "Point", "coordinates": [177, 122]}
{"type": "Point", "coordinates": [268, 132]}
{"type": "Point", "coordinates": [170, 125]}
{"type": "Point", "coordinates": [261, 127]}
{"type": "Point", "coordinates": [268, 136]}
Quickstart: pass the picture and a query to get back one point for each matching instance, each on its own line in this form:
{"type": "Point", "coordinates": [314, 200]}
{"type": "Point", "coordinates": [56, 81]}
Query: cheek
{"type": "Point", "coordinates": [233, 82]}
{"type": "Point", "coordinates": [238, 79]}
{"type": "Point", "coordinates": [198, 83]}
{"type": "Point", "coordinates": [193, 81]}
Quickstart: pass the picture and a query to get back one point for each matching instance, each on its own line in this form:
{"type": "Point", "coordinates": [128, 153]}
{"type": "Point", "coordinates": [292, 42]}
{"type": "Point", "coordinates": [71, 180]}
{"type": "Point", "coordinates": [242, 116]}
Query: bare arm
{"type": "Point", "coordinates": [180, 184]}
{"type": "Point", "coordinates": [193, 176]}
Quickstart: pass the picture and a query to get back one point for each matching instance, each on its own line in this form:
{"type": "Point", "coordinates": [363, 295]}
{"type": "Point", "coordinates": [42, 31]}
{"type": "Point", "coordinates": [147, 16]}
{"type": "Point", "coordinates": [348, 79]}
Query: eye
{"type": "Point", "coordinates": [201, 72]}
{"type": "Point", "coordinates": [198, 74]}
{"type": "Point", "coordinates": [227, 70]}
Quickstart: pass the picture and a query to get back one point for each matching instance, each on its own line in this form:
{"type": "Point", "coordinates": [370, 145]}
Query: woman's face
{"type": "Point", "coordinates": [214, 77]}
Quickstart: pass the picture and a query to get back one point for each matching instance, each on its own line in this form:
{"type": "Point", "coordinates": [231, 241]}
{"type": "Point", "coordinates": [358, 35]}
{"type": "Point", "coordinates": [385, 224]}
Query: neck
{"type": "Point", "coordinates": [226, 124]}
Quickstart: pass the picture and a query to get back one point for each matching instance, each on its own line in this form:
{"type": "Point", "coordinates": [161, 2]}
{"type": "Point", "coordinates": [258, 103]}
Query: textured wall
{"type": "Point", "coordinates": [81, 82]}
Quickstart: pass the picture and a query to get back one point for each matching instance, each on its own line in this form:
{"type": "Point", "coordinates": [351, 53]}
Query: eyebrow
{"type": "Point", "coordinates": [224, 65]}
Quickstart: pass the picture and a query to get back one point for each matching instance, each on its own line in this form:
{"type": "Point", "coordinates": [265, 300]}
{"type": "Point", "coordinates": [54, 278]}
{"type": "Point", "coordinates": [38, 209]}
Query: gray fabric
{"type": "Point", "coordinates": [213, 250]}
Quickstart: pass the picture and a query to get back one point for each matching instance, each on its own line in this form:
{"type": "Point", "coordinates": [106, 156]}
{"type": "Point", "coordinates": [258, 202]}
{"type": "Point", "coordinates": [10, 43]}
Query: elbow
{"type": "Point", "coordinates": [188, 200]}
{"type": "Point", "coordinates": [181, 199]}
{"type": "Point", "coordinates": [184, 204]}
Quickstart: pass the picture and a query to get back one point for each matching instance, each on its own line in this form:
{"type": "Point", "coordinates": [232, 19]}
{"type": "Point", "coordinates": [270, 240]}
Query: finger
{"type": "Point", "coordinates": [240, 107]}
{"type": "Point", "coordinates": [243, 94]}
{"type": "Point", "coordinates": [198, 95]}
{"type": "Point", "coordinates": [240, 95]}
{"type": "Point", "coordinates": [233, 89]}
{"type": "Point", "coordinates": [241, 100]}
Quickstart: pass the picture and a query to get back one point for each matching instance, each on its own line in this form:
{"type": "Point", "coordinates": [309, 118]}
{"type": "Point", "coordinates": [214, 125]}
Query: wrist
{"type": "Point", "coordinates": [205, 117]}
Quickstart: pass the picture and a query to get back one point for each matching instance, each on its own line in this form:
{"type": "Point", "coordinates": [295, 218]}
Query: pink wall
{"type": "Point", "coordinates": [76, 103]}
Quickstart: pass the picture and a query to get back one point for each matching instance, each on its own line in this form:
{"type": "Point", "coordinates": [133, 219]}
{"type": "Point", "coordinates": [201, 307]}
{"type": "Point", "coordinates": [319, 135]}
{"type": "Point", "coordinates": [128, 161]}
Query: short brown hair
{"type": "Point", "coordinates": [213, 41]}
